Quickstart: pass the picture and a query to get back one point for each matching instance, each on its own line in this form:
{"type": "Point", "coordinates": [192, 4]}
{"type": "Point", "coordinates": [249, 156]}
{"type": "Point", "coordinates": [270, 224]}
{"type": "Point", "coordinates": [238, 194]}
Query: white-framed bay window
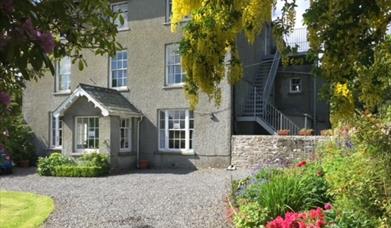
{"type": "Point", "coordinates": [122, 9]}
{"type": "Point", "coordinates": [119, 70]}
{"type": "Point", "coordinates": [175, 75]}
{"type": "Point", "coordinates": [125, 134]}
{"type": "Point", "coordinates": [86, 133]}
{"type": "Point", "coordinates": [63, 75]}
{"type": "Point", "coordinates": [176, 129]}
{"type": "Point", "coordinates": [54, 134]}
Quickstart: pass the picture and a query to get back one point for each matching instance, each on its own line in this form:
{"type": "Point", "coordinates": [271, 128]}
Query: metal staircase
{"type": "Point", "coordinates": [257, 106]}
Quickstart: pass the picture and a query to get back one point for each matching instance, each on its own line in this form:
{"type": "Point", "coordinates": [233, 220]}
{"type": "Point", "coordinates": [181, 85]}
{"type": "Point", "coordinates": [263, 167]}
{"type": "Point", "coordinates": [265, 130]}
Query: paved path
{"type": "Point", "coordinates": [155, 198]}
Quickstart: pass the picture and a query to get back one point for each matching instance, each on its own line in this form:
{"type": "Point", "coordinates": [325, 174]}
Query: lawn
{"type": "Point", "coordinates": [21, 209]}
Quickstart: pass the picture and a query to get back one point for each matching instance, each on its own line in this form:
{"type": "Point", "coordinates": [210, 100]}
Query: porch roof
{"type": "Point", "coordinates": [109, 101]}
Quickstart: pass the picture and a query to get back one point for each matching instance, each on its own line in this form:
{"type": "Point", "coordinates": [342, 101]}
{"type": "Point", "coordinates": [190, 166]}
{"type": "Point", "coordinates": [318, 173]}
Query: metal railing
{"type": "Point", "coordinates": [278, 121]}
{"type": "Point", "coordinates": [270, 78]}
{"type": "Point", "coordinates": [269, 114]}
{"type": "Point", "coordinates": [298, 38]}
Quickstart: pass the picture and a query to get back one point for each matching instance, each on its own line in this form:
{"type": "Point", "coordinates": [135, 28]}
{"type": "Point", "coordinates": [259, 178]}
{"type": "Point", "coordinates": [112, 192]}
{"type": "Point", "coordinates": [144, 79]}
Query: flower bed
{"type": "Point", "coordinates": [349, 185]}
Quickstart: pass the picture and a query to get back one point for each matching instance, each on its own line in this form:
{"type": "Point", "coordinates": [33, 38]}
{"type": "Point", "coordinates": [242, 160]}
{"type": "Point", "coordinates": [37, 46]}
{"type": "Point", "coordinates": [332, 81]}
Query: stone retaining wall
{"type": "Point", "coordinates": [249, 151]}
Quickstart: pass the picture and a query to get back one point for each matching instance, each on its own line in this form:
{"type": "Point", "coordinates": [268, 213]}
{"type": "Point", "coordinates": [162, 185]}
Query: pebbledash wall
{"type": "Point", "coordinates": [250, 151]}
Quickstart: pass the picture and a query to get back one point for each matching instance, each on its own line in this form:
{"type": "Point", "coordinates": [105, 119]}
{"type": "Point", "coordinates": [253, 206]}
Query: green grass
{"type": "Point", "coordinates": [22, 209]}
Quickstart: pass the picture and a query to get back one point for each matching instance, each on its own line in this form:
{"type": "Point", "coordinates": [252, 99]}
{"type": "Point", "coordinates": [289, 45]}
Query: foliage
{"type": "Point", "coordinates": [276, 192]}
{"type": "Point", "coordinates": [351, 42]}
{"type": "Point", "coordinates": [21, 209]}
{"type": "Point", "coordinates": [96, 160]}
{"type": "Point", "coordinates": [79, 171]}
{"type": "Point", "coordinates": [89, 165]}
{"type": "Point", "coordinates": [251, 215]}
{"type": "Point", "coordinates": [19, 142]}
{"type": "Point", "coordinates": [35, 32]}
{"type": "Point", "coordinates": [211, 35]}
{"type": "Point", "coordinates": [47, 165]}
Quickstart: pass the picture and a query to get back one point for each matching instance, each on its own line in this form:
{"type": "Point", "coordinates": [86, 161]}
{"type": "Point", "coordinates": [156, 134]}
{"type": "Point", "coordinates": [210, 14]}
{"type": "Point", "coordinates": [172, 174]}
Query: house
{"type": "Point", "coordinates": [133, 107]}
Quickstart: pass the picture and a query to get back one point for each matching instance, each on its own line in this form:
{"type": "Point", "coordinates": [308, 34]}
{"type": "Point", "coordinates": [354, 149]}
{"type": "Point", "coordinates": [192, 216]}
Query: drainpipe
{"type": "Point", "coordinates": [138, 142]}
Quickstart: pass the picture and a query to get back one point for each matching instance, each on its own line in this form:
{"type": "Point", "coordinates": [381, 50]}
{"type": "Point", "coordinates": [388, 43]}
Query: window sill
{"type": "Point", "coordinates": [123, 29]}
{"type": "Point", "coordinates": [62, 93]}
{"type": "Point", "coordinates": [55, 148]}
{"type": "Point", "coordinates": [295, 93]}
{"type": "Point", "coordinates": [176, 152]}
{"type": "Point", "coordinates": [121, 89]}
{"type": "Point", "coordinates": [176, 86]}
{"type": "Point", "coordinates": [183, 21]}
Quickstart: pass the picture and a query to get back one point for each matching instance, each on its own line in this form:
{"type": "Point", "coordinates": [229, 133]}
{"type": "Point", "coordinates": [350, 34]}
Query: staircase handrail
{"type": "Point", "coordinates": [270, 78]}
{"type": "Point", "coordinates": [278, 120]}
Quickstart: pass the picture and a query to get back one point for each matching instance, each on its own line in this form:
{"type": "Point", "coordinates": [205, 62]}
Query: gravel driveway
{"type": "Point", "coordinates": [155, 198]}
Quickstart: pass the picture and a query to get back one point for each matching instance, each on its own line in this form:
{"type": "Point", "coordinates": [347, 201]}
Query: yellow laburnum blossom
{"type": "Point", "coordinates": [342, 90]}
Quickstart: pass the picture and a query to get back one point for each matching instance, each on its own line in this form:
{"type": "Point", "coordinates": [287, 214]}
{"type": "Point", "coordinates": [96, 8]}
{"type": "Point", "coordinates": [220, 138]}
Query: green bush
{"type": "Point", "coordinates": [46, 165]}
{"type": "Point", "coordinates": [251, 215]}
{"type": "Point", "coordinates": [89, 165]}
{"type": "Point", "coordinates": [78, 171]}
{"type": "Point", "coordinates": [276, 192]}
{"type": "Point", "coordinates": [19, 144]}
{"type": "Point", "coordinates": [360, 184]}
{"type": "Point", "coordinates": [96, 159]}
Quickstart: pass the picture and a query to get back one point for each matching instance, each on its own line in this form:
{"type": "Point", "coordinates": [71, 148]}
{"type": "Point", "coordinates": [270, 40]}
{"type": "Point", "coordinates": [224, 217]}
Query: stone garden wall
{"type": "Point", "coordinates": [249, 151]}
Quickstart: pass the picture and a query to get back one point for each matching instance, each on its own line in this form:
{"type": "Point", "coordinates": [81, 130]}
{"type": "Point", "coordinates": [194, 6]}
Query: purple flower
{"type": "Point", "coordinates": [5, 98]}
{"type": "Point", "coordinates": [28, 28]}
{"type": "Point", "coordinates": [46, 41]}
{"type": "Point", "coordinates": [7, 6]}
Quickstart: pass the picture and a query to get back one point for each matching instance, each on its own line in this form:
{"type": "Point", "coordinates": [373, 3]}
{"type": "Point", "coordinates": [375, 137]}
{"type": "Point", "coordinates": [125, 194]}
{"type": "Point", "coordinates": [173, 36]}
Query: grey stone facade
{"type": "Point", "coordinates": [277, 151]}
{"type": "Point", "coordinates": [145, 42]}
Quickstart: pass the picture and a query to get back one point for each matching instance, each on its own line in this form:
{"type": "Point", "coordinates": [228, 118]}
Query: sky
{"type": "Point", "coordinates": [302, 5]}
{"type": "Point", "coordinates": [299, 35]}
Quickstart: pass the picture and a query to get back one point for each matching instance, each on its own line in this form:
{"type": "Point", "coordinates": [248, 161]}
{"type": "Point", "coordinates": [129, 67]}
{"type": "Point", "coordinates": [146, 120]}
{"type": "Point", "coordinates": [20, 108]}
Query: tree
{"type": "Point", "coordinates": [211, 35]}
{"type": "Point", "coordinates": [351, 42]}
{"type": "Point", "coordinates": [36, 33]}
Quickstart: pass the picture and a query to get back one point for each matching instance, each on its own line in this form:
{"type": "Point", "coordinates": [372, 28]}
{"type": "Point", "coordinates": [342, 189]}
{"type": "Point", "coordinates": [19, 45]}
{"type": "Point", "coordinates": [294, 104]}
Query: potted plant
{"type": "Point", "coordinates": [327, 132]}
{"type": "Point", "coordinates": [283, 132]}
{"type": "Point", "coordinates": [143, 164]}
{"type": "Point", "coordinates": [306, 132]}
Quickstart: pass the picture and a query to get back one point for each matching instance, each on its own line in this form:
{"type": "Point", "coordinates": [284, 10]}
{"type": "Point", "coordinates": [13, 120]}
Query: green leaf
{"type": "Point", "coordinates": [81, 65]}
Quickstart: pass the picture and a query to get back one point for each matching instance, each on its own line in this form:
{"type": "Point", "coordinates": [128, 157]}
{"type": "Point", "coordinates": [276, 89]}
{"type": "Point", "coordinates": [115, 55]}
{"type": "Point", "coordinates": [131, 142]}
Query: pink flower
{"type": "Point", "coordinates": [328, 206]}
{"type": "Point", "coordinates": [7, 6]}
{"type": "Point", "coordinates": [5, 98]}
{"type": "Point", "coordinates": [301, 164]}
{"type": "Point", "coordinates": [46, 41]}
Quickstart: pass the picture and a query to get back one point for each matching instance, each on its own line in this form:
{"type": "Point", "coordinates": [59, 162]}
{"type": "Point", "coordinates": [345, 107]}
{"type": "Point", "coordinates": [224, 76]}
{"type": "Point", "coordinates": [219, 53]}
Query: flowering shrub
{"type": "Point", "coordinates": [314, 218]}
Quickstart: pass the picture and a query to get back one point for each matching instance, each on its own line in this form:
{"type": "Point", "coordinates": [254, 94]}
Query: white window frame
{"type": "Point", "coordinates": [124, 26]}
{"type": "Point", "coordinates": [58, 75]}
{"type": "Point", "coordinates": [76, 135]}
{"type": "Point", "coordinates": [167, 66]}
{"type": "Point", "coordinates": [124, 87]}
{"type": "Point", "coordinates": [187, 149]}
{"type": "Point", "coordinates": [300, 85]}
{"type": "Point", "coordinates": [53, 130]}
{"type": "Point", "coordinates": [129, 130]}
{"type": "Point", "coordinates": [168, 11]}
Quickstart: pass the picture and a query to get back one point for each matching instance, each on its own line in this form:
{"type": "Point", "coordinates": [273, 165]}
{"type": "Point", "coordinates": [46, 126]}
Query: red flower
{"type": "Point", "coordinates": [301, 164]}
{"type": "Point", "coordinates": [313, 219]}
